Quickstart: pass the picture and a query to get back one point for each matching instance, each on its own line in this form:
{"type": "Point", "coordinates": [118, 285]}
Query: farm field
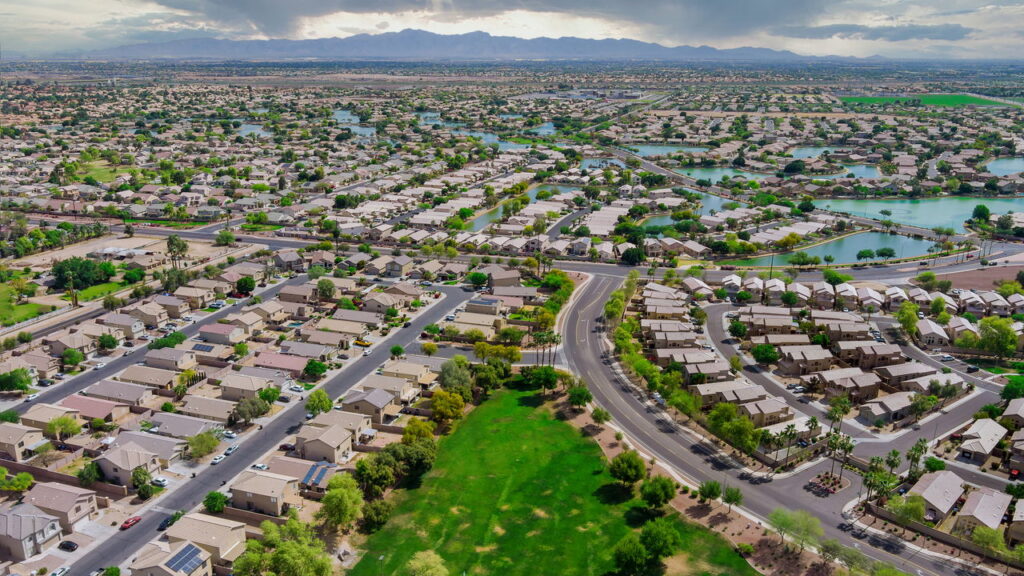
{"type": "Point", "coordinates": [514, 489]}
{"type": "Point", "coordinates": [11, 313]}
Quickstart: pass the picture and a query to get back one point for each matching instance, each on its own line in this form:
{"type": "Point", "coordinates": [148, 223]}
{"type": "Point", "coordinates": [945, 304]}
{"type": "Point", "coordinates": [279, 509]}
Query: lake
{"type": "Point", "coordinates": [708, 202]}
{"type": "Point", "coordinates": [349, 120]}
{"type": "Point", "coordinates": [545, 129]}
{"type": "Point", "coordinates": [482, 221]}
{"type": "Point", "coordinates": [805, 152]}
{"type": "Point", "coordinates": [845, 249]}
{"type": "Point", "coordinates": [947, 212]}
{"type": "Point", "coordinates": [491, 138]}
{"type": "Point", "coordinates": [246, 129]}
{"type": "Point", "coordinates": [600, 163]}
{"type": "Point", "coordinates": [858, 171]}
{"type": "Point", "coordinates": [716, 173]}
{"type": "Point", "coordinates": [1005, 166]}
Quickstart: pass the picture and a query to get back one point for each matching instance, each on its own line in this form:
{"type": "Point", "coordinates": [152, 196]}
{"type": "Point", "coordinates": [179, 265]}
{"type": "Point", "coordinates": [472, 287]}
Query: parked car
{"type": "Point", "coordinates": [972, 369]}
{"type": "Point", "coordinates": [259, 467]}
{"type": "Point", "coordinates": [165, 523]}
{"type": "Point", "coordinates": [284, 399]}
{"type": "Point", "coordinates": [60, 571]}
{"type": "Point", "coordinates": [309, 415]}
{"type": "Point", "coordinates": [296, 388]}
{"type": "Point", "coordinates": [131, 522]}
{"type": "Point", "coordinates": [161, 481]}
{"type": "Point", "coordinates": [229, 435]}
{"type": "Point", "coordinates": [946, 358]}
{"type": "Point", "coordinates": [217, 459]}
{"type": "Point", "coordinates": [68, 546]}
{"type": "Point", "coordinates": [31, 397]}
{"type": "Point", "coordinates": [45, 382]}
{"type": "Point", "coordinates": [286, 447]}
{"type": "Point", "coordinates": [231, 450]}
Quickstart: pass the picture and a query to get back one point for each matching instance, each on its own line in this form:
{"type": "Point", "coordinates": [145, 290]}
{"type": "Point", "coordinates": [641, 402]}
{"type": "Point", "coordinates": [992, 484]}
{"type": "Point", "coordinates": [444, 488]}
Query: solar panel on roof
{"type": "Point", "coordinates": [186, 560]}
{"type": "Point", "coordinates": [310, 473]}
{"type": "Point", "coordinates": [202, 347]}
{"type": "Point", "coordinates": [320, 476]}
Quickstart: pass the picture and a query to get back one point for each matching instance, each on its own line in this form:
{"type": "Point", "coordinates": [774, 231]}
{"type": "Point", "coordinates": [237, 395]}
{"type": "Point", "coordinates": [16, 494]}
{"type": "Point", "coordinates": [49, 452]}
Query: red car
{"type": "Point", "coordinates": [1014, 474]}
{"type": "Point", "coordinates": [131, 522]}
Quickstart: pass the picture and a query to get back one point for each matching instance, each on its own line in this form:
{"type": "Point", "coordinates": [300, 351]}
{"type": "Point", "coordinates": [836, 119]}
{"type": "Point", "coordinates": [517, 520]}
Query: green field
{"type": "Point", "coordinates": [515, 491]}
{"type": "Point", "coordinates": [97, 291]}
{"type": "Point", "coordinates": [11, 314]}
{"type": "Point", "coordinates": [261, 227]}
{"type": "Point", "coordinates": [101, 170]}
{"type": "Point", "coordinates": [166, 223]}
{"type": "Point", "coordinates": [941, 100]}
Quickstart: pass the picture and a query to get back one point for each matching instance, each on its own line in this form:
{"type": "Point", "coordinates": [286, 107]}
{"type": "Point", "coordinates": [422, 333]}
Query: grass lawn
{"type": "Point", "coordinates": [261, 227]}
{"type": "Point", "coordinates": [11, 313]}
{"type": "Point", "coordinates": [100, 170]}
{"type": "Point", "coordinates": [514, 491]}
{"type": "Point", "coordinates": [97, 291]}
{"type": "Point", "coordinates": [941, 100]}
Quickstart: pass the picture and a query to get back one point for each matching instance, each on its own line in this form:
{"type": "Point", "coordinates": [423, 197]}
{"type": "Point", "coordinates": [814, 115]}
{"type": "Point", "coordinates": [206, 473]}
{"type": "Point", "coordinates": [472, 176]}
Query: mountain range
{"type": "Point", "coordinates": [418, 45]}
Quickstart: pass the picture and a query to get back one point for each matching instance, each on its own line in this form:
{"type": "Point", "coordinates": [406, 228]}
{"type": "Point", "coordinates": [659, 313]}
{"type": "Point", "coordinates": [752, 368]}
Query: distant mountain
{"type": "Point", "coordinates": [420, 45]}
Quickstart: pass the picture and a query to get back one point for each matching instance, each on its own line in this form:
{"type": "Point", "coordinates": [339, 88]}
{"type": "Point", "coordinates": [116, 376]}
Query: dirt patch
{"type": "Point", "coordinates": [683, 565]}
{"type": "Point", "coordinates": [485, 549]}
{"type": "Point", "coordinates": [982, 278]}
{"type": "Point", "coordinates": [539, 513]}
{"type": "Point", "coordinates": [499, 530]}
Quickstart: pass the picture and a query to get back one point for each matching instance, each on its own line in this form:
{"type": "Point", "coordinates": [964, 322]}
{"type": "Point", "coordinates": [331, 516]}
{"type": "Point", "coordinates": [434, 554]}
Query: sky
{"type": "Point", "coordinates": [892, 28]}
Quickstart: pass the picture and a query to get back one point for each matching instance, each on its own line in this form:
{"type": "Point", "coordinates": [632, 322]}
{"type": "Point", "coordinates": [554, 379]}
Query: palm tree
{"type": "Point", "coordinates": [914, 454]}
{"type": "Point", "coordinates": [893, 459]}
{"type": "Point", "coordinates": [789, 433]}
{"type": "Point", "coordinates": [846, 446]}
{"type": "Point", "coordinates": [554, 340]}
{"type": "Point", "coordinates": [176, 249]}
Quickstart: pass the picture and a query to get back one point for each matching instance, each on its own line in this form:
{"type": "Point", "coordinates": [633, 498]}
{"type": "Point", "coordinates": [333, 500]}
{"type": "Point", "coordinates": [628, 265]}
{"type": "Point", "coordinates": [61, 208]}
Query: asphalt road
{"type": "Point", "coordinates": [253, 444]}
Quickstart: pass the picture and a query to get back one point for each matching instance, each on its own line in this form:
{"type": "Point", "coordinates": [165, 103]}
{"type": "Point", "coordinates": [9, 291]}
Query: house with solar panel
{"type": "Point", "coordinates": [159, 558]}
{"type": "Point", "coordinates": [265, 492]}
{"type": "Point", "coordinates": [224, 539]}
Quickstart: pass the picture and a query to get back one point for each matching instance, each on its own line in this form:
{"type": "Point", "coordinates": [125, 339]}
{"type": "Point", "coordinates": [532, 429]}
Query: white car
{"type": "Point", "coordinates": [259, 467]}
{"type": "Point", "coordinates": [296, 388]}
{"type": "Point", "coordinates": [229, 435]}
{"type": "Point", "coordinates": [218, 459]}
{"type": "Point", "coordinates": [161, 481]}
{"type": "Point", "coordinates": [101, 364]}
{"type": "Point", "coordinates": [946, 358]}
{"type": "Point", "coordinates": [31, 397]}
{"type": "Point", "coordinates": [60, 571]}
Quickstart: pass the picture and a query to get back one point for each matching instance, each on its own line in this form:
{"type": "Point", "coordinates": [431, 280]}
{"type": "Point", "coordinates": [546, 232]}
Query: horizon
{"type": "Point", "coordinates": [896, 29]}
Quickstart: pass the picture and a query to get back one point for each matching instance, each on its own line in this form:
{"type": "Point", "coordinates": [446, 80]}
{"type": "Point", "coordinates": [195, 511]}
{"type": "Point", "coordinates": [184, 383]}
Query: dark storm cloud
{"type": "Point", "coordinates": [947, 32]}
{"type": "Point", "coordinates": [680, 19]}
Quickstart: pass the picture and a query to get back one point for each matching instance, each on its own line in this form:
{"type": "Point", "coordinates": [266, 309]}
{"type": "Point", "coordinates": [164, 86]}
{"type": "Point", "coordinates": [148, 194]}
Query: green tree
{"type": "Point", "coordinates": [241, 349]}
{"type": "Point", "coordinates": [270, 394]}
{"type": "Point", "coordinates": [342, 503]}
{"type": "Point", "coordinates": [10, 416]}
{"type": "Point", "coordinates": [63, 427]}
{"type": "Point", "coordinates": [579, 396]}
{"type": "Point", "coordinates": [107, 341]}
{"type": "Point", "coordinates": [709, 490]}
{"type": "Point", "coordinates": [733, 496]}
{"type": "Point", "coordinates": [601, 416]}
{"type": "Point", "coordinates": [376, 514]}
{"type": "Point", "coordinates": [446, 406]}
{"type": "Point", "coordinates": [988, 538]}
{"type": "Point", "coordinates": [981, 213]}
{"type": "Point", "coordinates": [477, 279]}
{"type": "Point", "coordinates": [293, 549]}
{"type": "Point", "coordinates": [141, 476]}
{"type": "Point", "coordinates": [630, 556]}
{"type": "Point", "coordinates": [417, 429]}
{"type": "Point", "coordinates": [215, 502]}
{"type": "Point", "coordinates": [737, 329]}
{"type": "Point", "coordinates": [628, 468]}
{"type": "Point", "coordinates": [906, 315]}
{"type": "Point", "coordinates": [17, 379]}
{"type": "Point", "coordinates": [318, 402]}
{"type": "Point", "coordinates": [177, 249]}
{"type": "Point", "coordinates": [245, 285]}
{"type": "Point", "coordinates": [72, 357]}
{"type": "Point", "coordinates": [657, 491]}
{"type": "Point", "coordinates": [426, 563]}
{"type": "Point", "coordinates": [315, 369]}
{"type": "Point", "coordinates": [397, 351]}
{"type": "Point", "coordinates": [89, 474]}
{"type": "Point", "coordinates": [765, 353]}
{"type": "Point", "coordinates": [202, 444]}
{"type": "Point", "coordinates": [428, 348]}
{"type": "Point", "coordinates": [997, 336]}
{"type": "Point", "coordinates": [224, 238]}
{"type": "Point", "coordinates": [456, 377]}
{"type": "Point", "coordinates": [249, 409]}
{"type": "Point", "coordinates": [660, 538]}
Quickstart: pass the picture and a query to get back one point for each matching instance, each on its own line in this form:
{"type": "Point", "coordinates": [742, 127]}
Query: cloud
{"type": "Point", "coordinates": [944, 32]}
{"type": "Point", "coordinates": [703, 19]}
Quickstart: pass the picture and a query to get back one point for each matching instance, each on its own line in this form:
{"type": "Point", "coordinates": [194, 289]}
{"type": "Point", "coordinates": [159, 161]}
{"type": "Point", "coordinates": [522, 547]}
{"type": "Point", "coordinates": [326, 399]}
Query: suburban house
{"type": "Point", "coordinates": [236, 386]}
{"type": "Point", "coordinates": [39, 415]}
{"type": "Point", "coordinates": [378, 404]}
{"type": "Point", "coordinates": [151, 314]}
{"type": "Point", "coordinates": [25, 531]}
{"type": "Point", "coordinates": [175, 307]}
{"type": "Point", "coordinates": [891, 408]}
{"type": "Point", "coordinates": [983, 507]}
{"type": "Point", "coordinates": [171, 359]}
{"type": "Point", "coordinates": [69, 504]}
{"type": "Point", "coordinates": [207, 408]}
{"type": "Point", "coordinates": [120, 392]}
{"type": "Point", "coordinates": [800, 360]}
{"type": "Point", "coordinates": [293, 365]}
{"type": "Point", "coordinates": [179, 425]}
{"type": "Point", "coordinates": [167, 449]}
{"type": "Point", "coordinates": [183, 558]}
{"type": "Point", "coordinates": [264, 492]}
{"type": "Point", "coordinates": [940, 491]}
{"type": "Point", "coordinates": [196, 298]}
{"type": "Point", "coordinates": [129, 325]}
{"type": "Point", "coordinates": [224, 539]}
{"type": "Point", "coordinates": [980, 439]}
{"type": "Point", "coordinates": [225, 334]}
{"type": "Point", "coordinates": [118, 463]}
{"type": "Point", "coordinates": [90, 409]}
{"type": "Point", "coordinates": [331, 443]}
{"type": "Point", "coordinates": [148, 376]}
{"type": "Point", "coordinates": [18, 442]}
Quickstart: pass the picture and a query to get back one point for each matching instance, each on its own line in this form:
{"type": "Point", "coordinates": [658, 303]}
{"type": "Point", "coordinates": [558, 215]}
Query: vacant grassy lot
{"type": "Point", "coordinates": [10, 313]}
{"type": "Point", "coordinates": [261, 227]}
{"type": "Point", "coordinates": [515, 491]}
{"type": "Point", "coordinates": [97, 291]}
{"type": "Point", "coordinates": [942, 100]}
{"type": "Point", "coordinates": [165, 223]}
{"type": "Point", "coordinates": [101, 170]}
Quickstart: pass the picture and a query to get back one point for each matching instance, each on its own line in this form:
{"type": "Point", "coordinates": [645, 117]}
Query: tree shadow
{"type": "Point", "coordinates": [637, 516]}
{"type": "Point", "coordinates": [613, 493]}
{"type": "Point", "coordinates": [590, 430]}
{"type": "Point", "coordinates": [531, 401]}
{"type": "Point", "coordinates": [699, 510]}
{"type": "Point", "coordinates": [718, 519]}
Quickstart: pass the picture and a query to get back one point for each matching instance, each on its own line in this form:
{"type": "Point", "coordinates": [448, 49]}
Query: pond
{"type": "Point", "coordinates": [545, 129]}
{"type": "Point", "coordinates": [947, 212]}
{"type": "Point", "coordinates": [600, 163]}
{"type": "Point", "coordinates": [349, 120]}
{"type": "Point", "coordinates": [858, 171]}
{"type": "Point", "coordinates": [805, 152]}
{"type": "Point", "coordinates": [246, 129]}
{"type": "Point", "coordinates": [482, 221]}
{"type": "Point", "coordinates": [1005, 166]}
{"type": "Point", "coordinates": [491, 138]}
{"type": "Point", "coordinates": [434, 119]}
{"type": "Point", "coordinates": [845, 249]}
{"type": "Point", "coordinates": [708, 202]}
{"type": "Point", "coordinates": [649, 150]}
{"type": "Point", "coordinates": [715, 174]}
{"type": "Point", "coordinates": [510, 116]}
